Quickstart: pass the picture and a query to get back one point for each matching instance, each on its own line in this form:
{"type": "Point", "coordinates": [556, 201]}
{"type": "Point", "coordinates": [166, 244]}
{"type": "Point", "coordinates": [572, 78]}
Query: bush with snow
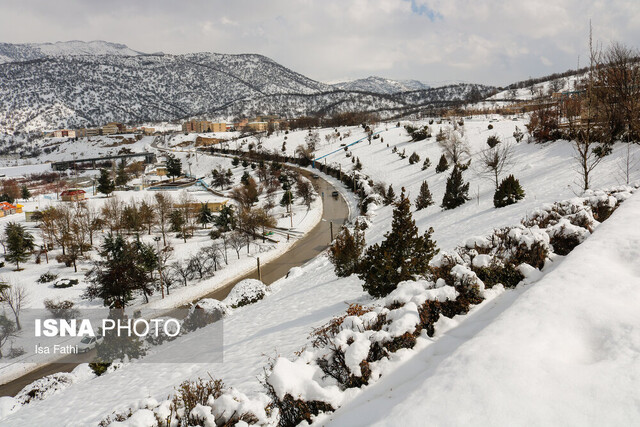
{"type": "Point", "coordinates": [247, 291]}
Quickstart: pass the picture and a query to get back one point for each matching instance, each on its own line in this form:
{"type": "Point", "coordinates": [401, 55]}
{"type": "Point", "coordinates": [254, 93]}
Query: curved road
{"type": "Point", "coordinates": [334, 210]}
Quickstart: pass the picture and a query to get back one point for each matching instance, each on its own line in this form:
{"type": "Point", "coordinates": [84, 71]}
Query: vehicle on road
{"type": "Point", "coordinates": [88, 343]}
{"type": "Point", "coordinates": [315, 176]}
{"type": "Point", "coordinates": [335, 194]}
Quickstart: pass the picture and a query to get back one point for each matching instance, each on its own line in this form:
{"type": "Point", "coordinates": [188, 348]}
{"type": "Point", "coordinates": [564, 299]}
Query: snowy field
{"type": "Point", "coordinates": [593, 331]}
{"type": "Point", "coordinates": [303, 220]}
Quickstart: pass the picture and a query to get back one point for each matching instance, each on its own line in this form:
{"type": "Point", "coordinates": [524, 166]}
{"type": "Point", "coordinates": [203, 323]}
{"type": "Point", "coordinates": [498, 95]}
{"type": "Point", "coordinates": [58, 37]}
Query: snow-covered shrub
{"type": "Point", "coordinates": [247, 291]}
{"type": "Point", "coordinates": [65, 283]}
{"type": "Point", "coordinates": [203, 313]}
{"type": "Point", "coordinates": [47, 277]}
{"type": "Point", "coordinates": [61, 309]}
{"type": "Point", "coordinates": [195, 403]}
{"type": "Point", "coordinates": [45, 387]}
{"type": "Point", "coordinates": [498, 272]}
{"type": "Point", "coordinates": [520, 244]}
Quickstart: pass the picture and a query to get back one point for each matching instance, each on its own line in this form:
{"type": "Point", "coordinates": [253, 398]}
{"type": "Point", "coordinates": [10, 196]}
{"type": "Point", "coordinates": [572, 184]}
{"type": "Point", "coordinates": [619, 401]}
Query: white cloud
{"type": "Point", "coordinates": [489, 41]}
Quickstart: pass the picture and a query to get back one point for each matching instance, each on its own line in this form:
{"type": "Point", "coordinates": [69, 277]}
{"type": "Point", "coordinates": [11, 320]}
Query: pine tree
{"type": "Point", "coordinates": [105, 183]}
{"type": "Point", "coordinates": [403, 255]}
{"type": "Point", "coordinates": [122, 177]}
{"type": "Point", "coordinates": [414, 158]}
{"type": "Point", "coordinates": [225, 220]}
{"type": "Point", "coordinates": [26, 194]}
{"type": "Point", "coordinates": [174, 166]}
{"type": "Point", "coordinates": [443, 165]}
{"type": "Point", "coordinates": [358, 165]}
{"type": "Point", "coordinates": [245, 178]}
{"type": "Point", "coordinates": [509, 192]}
{"type": "Point", "coordinates": [205, 216]}
{"type": "Point", "coordinates": [424, 199]}
{"type": "Point", "coordinates": [345, 252]}
{"type": "Point", "coordinates": [456, 192]}
{"type": "Point", "coordinates": [287, 199]}
{"type": "Point", "coordinates": [235, 161]}
{"type": "Point", "coordinates": [19, 244]}
{"type": "Point", "coordinates": [390, 197]}
{"type": "Point", "coordinates": [426, 164]}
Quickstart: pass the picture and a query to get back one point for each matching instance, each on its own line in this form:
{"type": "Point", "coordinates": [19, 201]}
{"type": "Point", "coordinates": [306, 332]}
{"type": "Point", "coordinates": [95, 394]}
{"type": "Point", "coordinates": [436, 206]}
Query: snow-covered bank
{"type": "Point", "coordinates": [564, 351]}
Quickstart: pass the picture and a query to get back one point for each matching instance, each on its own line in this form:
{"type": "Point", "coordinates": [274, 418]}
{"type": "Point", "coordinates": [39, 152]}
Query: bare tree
{"type": "Point", "coordinates": [237, 241]}
{"type": "Point", "coordinates": [15, 296]}
{"type": "Point", "coordinates": [7, 331]}
{"type": "Point", "coordinates": [305, 191]}
{"type": "Point", "coordinates": [164, 206]}
{"type": "Point", "coordinates": [586, 142]}
{"type": "Point", "coordinates": [494, 161]}
{"type": "Point", "coordinates": [455, 147]}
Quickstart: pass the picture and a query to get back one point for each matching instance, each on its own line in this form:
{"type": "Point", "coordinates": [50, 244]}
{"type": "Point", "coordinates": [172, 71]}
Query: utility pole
{"type": "Point", "coordinates": [157, 239]}
{"type": "Point", "coordinates": [259, 272]}
{"type": "Point", "coordinates": [331, 229]}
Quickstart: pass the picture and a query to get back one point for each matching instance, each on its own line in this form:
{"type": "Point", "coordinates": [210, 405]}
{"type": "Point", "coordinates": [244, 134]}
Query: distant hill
{"type": "Point", "coordinates": [381, 85]}
{"type": "Point", "coordinates": [29, 51]}
{"type": "Point", "coordinates": [77, 84]}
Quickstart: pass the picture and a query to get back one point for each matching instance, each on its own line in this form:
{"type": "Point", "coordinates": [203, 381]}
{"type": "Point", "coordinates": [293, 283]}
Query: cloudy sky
{"type": "Point", "coordinates": [484, 41]}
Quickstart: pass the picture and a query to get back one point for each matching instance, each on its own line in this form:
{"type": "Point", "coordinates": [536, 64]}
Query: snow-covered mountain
{"type": "Point", "coordinates": [29, 51]}
{"type": "Point", "coordinates": [381, 85]}
{"type": "Point", "coordinates": [75, 90]}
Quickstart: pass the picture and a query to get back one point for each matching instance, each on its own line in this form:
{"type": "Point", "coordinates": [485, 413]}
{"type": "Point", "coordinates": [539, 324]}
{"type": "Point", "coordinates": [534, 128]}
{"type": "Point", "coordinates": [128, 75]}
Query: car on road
{"type": "Point", "coordinates": [343, 145]}
{"type": "Point", "coordinates": [315, 176]}
{"type": "Point", "coordinates": [88, 343]}
{"type": "Point", "coordinates": [335, 194]}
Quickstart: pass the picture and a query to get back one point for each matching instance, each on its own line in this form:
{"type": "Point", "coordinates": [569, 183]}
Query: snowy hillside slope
{"type": "Point", "coordinates": [77, 90]}
{"type": "Point", "coordinates": [377, 84]}
{"type": "Point", "coordinates": [563, 351]}
{"type": "Point", "coordinates": [311, 295]}
{"type": "Point", "coordinates": [30, 51]}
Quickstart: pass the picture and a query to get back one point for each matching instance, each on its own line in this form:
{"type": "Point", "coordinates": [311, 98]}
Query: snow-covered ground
{"type": "Point", "coordinates": [564, 351]}
{"type": "Point", "coordinates": [302, 219]}
{"type": "Point", "coordinates": [280, 323]}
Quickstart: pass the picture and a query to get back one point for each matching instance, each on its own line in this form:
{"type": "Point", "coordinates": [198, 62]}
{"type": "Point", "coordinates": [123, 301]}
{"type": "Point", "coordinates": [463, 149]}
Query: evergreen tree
{"type": "Point", "coordinates": [457, 191]}
{"type": "Point", "coordinates": [124, 267]}
{"type": "Point", "coordinates": [245, 163]}
{"type": "Point", "coordinates": [205, 216]}
{"type": "Point", "coordinates": [105, 183]}
{"type": "Point", "coordinates": [426, 164]}
{"type": "Point", "coordinates": [177, 220]}
{"type": "Point", "coordinates": [358, 165]}
{"type": "Point", "coordinates": [443, 165]}
{"type": "Point", "coordinates": [226, 220]}
{"type": "Point", "coordinates": [174, 166]}
{"type": "Point", "coordinates": [345, 252]}
{"type": "Point", "coordinates": [122, 177]}
{"type": "Point", "coordinates": [390, 197]}
{"type": "Point", "coordinates": [414, 158]}
{"type": "Point", "coordinates": [116, 346]}
{"type": "Point", "coordinates": [403, 255]}
{"type": "Point", "coordinates": [245, 178]}
{"type": "Point", "coordinates": [509, 192]}
{"type": "Point", "coordinates": [19, 243]}
{"type": "Point", "coordinates": [287, 199]}
{"type": "Point", "coordinates": [235, 161]}
{"type": "Point", "coordinates": [26, 194]}
{"type": "Point", "coordinates": [424, 199]}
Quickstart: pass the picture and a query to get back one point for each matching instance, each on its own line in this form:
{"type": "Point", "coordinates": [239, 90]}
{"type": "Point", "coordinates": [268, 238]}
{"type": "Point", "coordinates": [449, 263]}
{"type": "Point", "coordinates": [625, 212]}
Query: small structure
{"type": "Point", "coordinates": [202, 141]}
{"type": "Point", "coordinates": [7, 208]}
{"type": "Point", "coordinates": [32, 216]}
{"type": "Point", "coordinates": [196, 206]}
{"type": "Point", "coordinates": [73, 195]}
